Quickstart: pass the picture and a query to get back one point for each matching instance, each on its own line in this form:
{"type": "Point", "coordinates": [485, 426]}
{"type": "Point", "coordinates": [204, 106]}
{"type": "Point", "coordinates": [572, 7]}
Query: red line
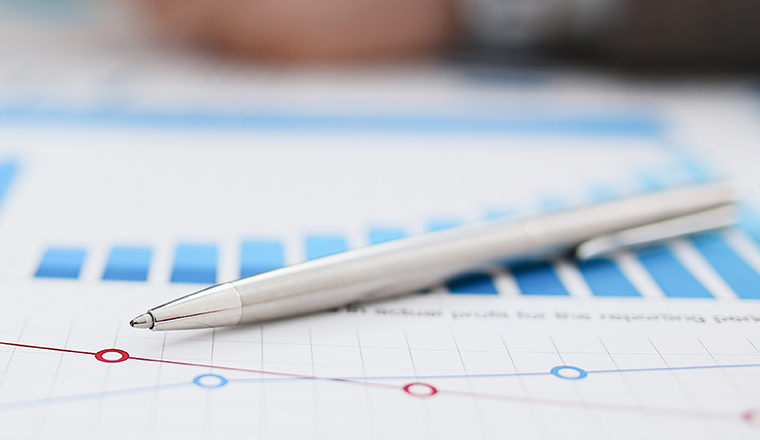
{"type": "Point", "coordinates": [274, 373]}
{"type": "Point", "coordinates": [190, 364]}
{"type": "Point", "coordinates": [39, 347]}
{"type": "Point", "coordinates": [553, 402]}
{"type": "Point", "coordinates": [599, 406]}
{"type": "Point", "coordinates": [218, 367]}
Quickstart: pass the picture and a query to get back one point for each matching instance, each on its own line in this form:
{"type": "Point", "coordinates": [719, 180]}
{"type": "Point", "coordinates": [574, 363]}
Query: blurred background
{"type": "Point", "coordinates": [689, 65]}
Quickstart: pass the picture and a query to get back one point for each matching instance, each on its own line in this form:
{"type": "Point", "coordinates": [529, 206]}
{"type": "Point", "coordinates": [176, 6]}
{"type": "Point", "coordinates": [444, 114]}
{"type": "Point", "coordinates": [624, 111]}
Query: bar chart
{"type": "Point", "coordinates": [197, 263]}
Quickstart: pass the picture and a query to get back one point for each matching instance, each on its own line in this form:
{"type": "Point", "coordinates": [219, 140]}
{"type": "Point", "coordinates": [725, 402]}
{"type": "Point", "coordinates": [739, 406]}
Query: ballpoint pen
{"type": "Point", "coordinates": [419, 262]}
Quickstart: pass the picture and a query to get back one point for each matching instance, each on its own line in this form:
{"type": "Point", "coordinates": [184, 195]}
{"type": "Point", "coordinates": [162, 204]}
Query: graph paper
{"type": "Point", "coordinates": [130, 176]}
{"type": "Point", "coordinates": [656, 343]}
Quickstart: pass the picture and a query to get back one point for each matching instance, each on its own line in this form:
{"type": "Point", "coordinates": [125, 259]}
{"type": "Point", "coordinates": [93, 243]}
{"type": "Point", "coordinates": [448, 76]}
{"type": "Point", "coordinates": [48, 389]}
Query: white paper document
{"type": "Point", "coordinates": [98, 226]}
{"type": "Point", "coordinates": [140, 183]}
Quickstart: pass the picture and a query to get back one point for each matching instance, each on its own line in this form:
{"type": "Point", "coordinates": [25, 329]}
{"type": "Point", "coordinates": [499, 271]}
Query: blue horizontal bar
{"type": "Point", "coordinates": [550, 203]}
{"type": "Point", "coordinates": [378, 235]}
{"type": "Point", "coordinates": [472, 284]}
{"type": "Point", "coordinates": [605, 278]}
{"type": "Point", "coordinates": [592, 124]}
{"type": "Point", "coordinates": [318, 246]}
{"type": "Point", "coordinates": [443, 223]}
{"type": "Point", "coordinates": [128, 264]}
{"type": "Point", "coordinates": [539, 279]}
{"type": "Point", "coordinates": [603, 194]}
{"type": "Point", "coordinates": [260, 256]}
{"type": "Point", "coordinates": [495, 214]}
{"type": "Point", "coordinates": [737, 273]}
{"type": "Point", "coordinates": [650, 183]}
{"type": "Point", "coordinates": [61, 263]}
{"type": "Point", "coordinates": [195, 264]}
{"type": "Point", "coordinates": [674, 280]}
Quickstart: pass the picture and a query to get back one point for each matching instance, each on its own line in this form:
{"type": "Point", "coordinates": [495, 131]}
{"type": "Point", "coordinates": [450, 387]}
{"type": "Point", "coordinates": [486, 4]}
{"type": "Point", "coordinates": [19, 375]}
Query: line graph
{"type": "Point", "coordinates": [415, 389]}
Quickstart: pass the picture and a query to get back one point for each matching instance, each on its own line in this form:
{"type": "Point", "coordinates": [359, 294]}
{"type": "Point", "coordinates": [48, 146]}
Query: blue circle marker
{"type": "Point", "coordinates": [579, 374]}
{"type": "Point", "coordinates": [215, 381]}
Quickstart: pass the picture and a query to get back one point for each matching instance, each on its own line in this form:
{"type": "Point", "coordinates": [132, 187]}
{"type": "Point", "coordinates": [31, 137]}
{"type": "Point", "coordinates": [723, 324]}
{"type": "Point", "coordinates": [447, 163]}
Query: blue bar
{"type": "Point", "coordinates": [749, 221]}
{"type": "Point", "coordinates": [472, 284]}
{"type": "Point", "coordinates": [552, 203]}
{"type": "Point", "coordinates": [61, 263]}
{"type": "Point", "coordinates": [698, 171]}
{"type": "Point", "coordinates": [603, 193]}
{"type": "Point", "coordinates": [593, 124]}
{"type": "Point", "coordinates": [495, 214]}
{"type": "Point", "coordinates": [674, 280]}
{"type": "Point", "coordinates": [318, 246]}
{"type": "Point", "coordinates": [604, 278]}
{"type": "Point", "coordinates": [260, 256]}
{"type": "Point", "coordinates": [8, 171]}
{"type": "Point", "coordinates": [128, 264]}
{"type": "Point", "coordinates": [441, 224]}
{"type": "Point", "coordinates": [737, 273]}
{"type": "Point", "coordinates": [378, 235]}
{"type": "Point", "coordinates": [650, 183]}
{"type": "Point", "coordinates": [539, 279]}
{"type": "Point", "coordinates": [195, 264]}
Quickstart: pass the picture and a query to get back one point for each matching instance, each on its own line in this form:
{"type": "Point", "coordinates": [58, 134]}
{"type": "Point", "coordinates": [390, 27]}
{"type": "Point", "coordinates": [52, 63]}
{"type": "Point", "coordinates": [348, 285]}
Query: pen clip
{"type": "Point", "coordinates": [702, 221]}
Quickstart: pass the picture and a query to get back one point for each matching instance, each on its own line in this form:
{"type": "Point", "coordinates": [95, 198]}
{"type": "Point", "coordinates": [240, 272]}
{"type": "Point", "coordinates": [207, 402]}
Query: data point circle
{"type": "Point", "coordinates": [419, 389]}
{"type": "Point", "coordinates": [112, 355]}
{"type": "Point", "coordinates": [752, 417]}
{"type": "Point", "coordinates": [210, 381]}
{"type": "Point", "coordinates": [569, 372]}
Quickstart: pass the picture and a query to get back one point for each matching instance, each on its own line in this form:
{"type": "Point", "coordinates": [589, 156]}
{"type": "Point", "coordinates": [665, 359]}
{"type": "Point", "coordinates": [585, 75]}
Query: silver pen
{"type": "Point", "coordinates": [418, 262]}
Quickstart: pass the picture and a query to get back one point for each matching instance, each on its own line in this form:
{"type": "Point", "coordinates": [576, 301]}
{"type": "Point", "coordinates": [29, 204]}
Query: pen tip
{"type": "Point", "coordinates": [143, 321]}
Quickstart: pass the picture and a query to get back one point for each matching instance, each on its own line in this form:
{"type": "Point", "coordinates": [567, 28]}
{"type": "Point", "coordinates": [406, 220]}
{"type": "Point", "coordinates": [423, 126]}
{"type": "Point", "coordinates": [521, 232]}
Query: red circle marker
{"type": "Point", "coordinates": [123, 355]}
{"type": "Point", "coordinates": [431, 390]}
{"type": "Point", "coordinates": [752, 417]}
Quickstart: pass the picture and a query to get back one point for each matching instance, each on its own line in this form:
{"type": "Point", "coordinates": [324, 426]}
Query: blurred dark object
{"type": "Point", "coordinates": [712, 34]}
{"type": "Point", "coordinates": [654, 34]}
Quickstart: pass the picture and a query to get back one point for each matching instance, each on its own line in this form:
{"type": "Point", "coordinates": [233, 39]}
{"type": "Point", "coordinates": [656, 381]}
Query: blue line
{"type": "Point", "coordinates": [98, 395]}
{"type": "Point", "coordinates": [599, 125]}
{"type": "Point", "coordinates": [472, 376]}
{"type": "Point", "coordinates": [88, 396]}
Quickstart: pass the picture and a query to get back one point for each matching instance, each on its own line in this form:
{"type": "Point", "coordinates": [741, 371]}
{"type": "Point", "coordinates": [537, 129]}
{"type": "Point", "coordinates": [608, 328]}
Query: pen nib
{"type": "Point", "coordinates": [143, 321]}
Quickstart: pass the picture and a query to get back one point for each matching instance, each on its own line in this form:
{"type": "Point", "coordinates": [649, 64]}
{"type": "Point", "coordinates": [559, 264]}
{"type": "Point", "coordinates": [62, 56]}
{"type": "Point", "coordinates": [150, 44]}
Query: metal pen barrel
{"type": "Point", "coordinates": [422, 261]}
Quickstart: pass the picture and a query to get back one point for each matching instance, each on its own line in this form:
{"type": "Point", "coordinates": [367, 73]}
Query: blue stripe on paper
{"type": "Point", "coordinates": [128, 264]}
{"type": "Point", "coordinates": [61, 263]}
{"type": "Point", "coordinates": [605, 278]}
{"type": "Point", "coordinates": [318, 246]}
{"type": "Point", "coordinates": [737, 273]}
{"type": "Point", "coordinates": [259, 256]}
{"type": "Point", "coordinates": [672, 277]}
{"type": "Point", "coordinates": [195, 263]}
